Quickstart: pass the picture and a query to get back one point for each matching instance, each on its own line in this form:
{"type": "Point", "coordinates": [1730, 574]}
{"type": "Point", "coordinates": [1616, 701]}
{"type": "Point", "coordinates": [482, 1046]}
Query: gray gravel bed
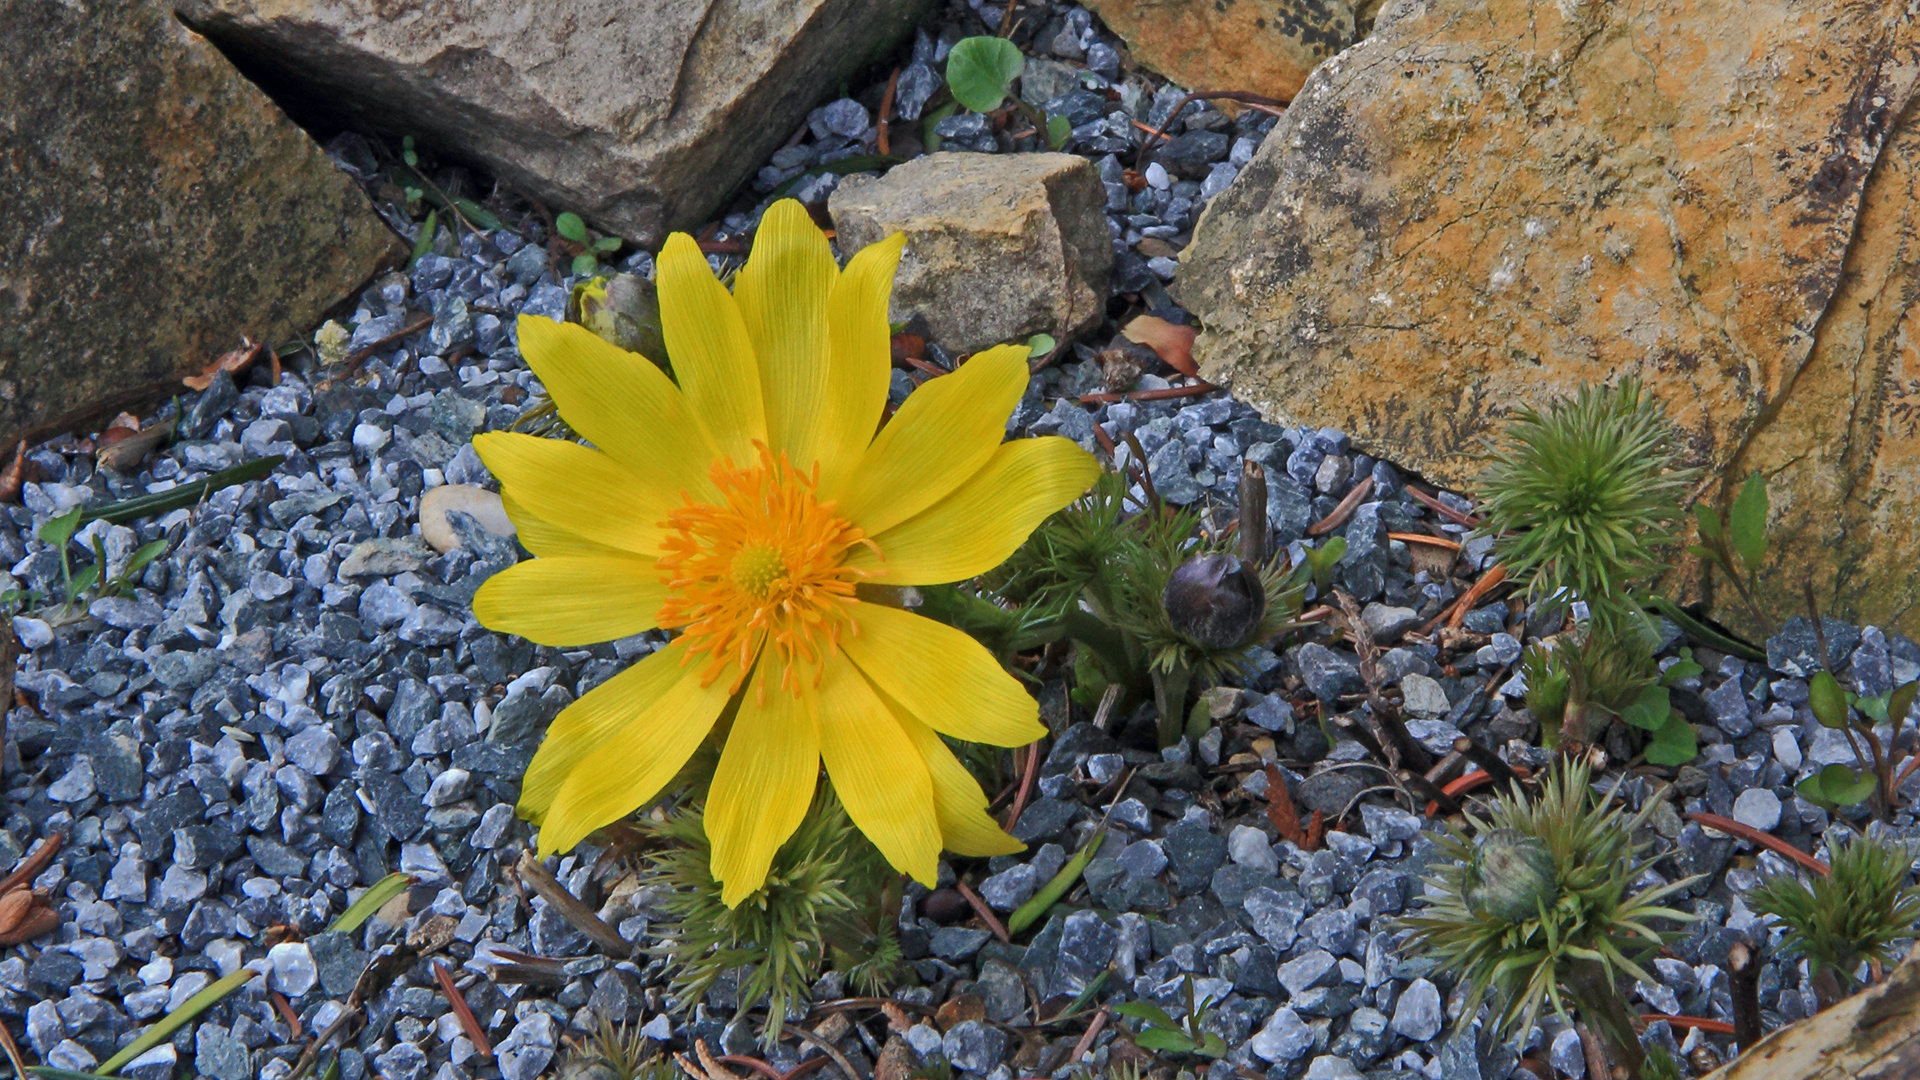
{"type": "Point", "coordinates": [297, 700]}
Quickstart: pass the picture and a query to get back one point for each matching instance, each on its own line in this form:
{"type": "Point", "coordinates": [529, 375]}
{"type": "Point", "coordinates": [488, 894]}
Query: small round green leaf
{"type": "Point", "coordinates": [980, 71]}
{"type": "Point", "coordinates": [1040, 345]}
{"type": "Point", "coordinates": [1059, 130]}
{"type": "Point", "coordinates": [570, 226]}
{"type": "Point", "coordinates": [585, 264]}
{"type": "Point", "coordinates": [1828, 701]}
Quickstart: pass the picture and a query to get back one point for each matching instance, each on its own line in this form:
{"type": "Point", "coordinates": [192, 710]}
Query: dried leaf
{"type": "Point", "coordinates": [1172, 341]}
{"type": "Point", "coordinates": [231, 362]}
{"type": "Point", "coordinates": [708, 1068]}
{"type": "Point", "coordinates": [906, 346]}
{"type": "Point", "coordinates": [14, 474]}
{"type": "Point", "coordinates": [1286, 817]}
{"type": "Point", "coordinates": [897, 1020]}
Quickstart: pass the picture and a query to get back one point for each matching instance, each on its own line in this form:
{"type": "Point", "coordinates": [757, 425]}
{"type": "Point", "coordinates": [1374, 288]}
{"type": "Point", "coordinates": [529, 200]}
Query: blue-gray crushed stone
{"type": "Point", "coordinates": [296, 700]}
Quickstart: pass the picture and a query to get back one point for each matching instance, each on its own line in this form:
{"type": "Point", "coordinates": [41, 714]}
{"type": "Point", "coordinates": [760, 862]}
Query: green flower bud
{"type": "Point", "coordinates": [1512, 876]}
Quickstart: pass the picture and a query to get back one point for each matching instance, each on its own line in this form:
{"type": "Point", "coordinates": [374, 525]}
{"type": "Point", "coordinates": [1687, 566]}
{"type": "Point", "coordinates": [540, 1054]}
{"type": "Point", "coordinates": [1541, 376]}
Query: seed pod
{"type": "Point", "coordinates": [39, 922]}
{"type": "Point", "coordinates": [14, 907]}
{"type": "Point", "coordinates": [1215, 600]}
{"type": "Point", "coordinates": [1512, 876]}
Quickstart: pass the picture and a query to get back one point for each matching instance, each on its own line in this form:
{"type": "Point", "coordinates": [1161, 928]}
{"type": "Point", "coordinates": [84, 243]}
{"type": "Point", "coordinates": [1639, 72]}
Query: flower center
{"type": "Point", "coordinates": [762, 567]}
{"type": "Point", "coordinates": [756, 569]}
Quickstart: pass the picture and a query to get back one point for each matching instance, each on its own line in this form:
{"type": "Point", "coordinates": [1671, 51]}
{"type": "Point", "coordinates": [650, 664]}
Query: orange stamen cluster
{"type": "Point", "coordinates": [761, 568]}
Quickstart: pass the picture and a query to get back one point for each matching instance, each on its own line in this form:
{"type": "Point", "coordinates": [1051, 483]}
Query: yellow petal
{"type": "Point", "coordinates": [943, 434]}
{"type": "Point", "coordinates": [712, 355]}
{"type": "Point", "coordinates": [578, 732]}
{"type": "Point", "coordinates": [600, 499]}
{"type": "Point", "coordinates": [958, 802]}
{"type": "Point", "coordinates": [862, 359]}
{"type": "Point", "coordinates": [941, 676]}
{"type": "Point", "coordinates": [877, 772]}
{"type": "Point", "coordinates": [782, 295]}
{"type": "Point", "coordinates": [620, 402]}
{"type": "Point", "coordinates": [977, 527]}
{"type": "Point", "coordinates": [572, 599]}
{"type": "Point", "coordinates": [545, 538]}
{"type": "Point", "coordinates": [612, 751]}
{"type": "Point", "coordinates": [764, 782]}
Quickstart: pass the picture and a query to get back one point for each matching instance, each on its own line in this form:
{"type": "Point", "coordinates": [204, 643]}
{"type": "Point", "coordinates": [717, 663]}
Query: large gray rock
{"type": "Point", "coordinates": [999, 248]}
{"type": "Point", "coordinates": [154, 207]}
{"type": "Point", "coordinates": [642, 115]}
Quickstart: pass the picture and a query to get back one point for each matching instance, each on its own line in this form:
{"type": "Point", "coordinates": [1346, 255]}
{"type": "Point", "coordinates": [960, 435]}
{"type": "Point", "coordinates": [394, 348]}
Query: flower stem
{"type": "Point", "coordinates": [1591, 986]}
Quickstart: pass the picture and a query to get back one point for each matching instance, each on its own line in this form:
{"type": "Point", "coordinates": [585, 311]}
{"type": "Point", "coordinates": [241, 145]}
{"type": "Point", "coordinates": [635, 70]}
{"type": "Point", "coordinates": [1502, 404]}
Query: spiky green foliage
{"type": "Point", "coordinates": [1102, 571]}
{"type": "Point", "coordinates": [813, 900]}
{"type": "Point", "coordinates": [1853, 914]}
{"type": "Point", "coordinates": [1585, 931]}
{"type": "Point", "coordinates": [1548, 677]}
{"type": "Point", "coordinates": [1614, 662]}
{"type": "Point", "coordinates": [614, 1052]}
{"type": "Point", "coordinates": [1582, 495]}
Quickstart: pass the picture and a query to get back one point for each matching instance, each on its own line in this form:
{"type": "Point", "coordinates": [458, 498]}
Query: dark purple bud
{"type": "Point", "coordinates": [1216, 600]}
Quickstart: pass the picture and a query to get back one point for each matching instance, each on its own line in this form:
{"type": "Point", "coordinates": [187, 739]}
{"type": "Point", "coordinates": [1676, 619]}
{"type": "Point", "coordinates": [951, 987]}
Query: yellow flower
{"type": "Point", "coordinates": [740, 506]}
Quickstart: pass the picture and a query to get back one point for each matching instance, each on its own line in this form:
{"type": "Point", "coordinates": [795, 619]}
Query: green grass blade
{"type": "Point", "coordinates": [371, 901]}
{"type": "Point", "coordinates": [424, 242]}
{"type": "Point", "coordinates": [1062, 882]}
{"type": "Point", "coordinates": [161, 502]}
{"type": "Point", "coordinates": [172, 1022]}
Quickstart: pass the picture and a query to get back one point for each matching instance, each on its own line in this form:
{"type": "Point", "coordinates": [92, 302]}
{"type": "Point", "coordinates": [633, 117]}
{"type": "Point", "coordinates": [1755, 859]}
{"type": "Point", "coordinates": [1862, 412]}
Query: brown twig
{"type": "Point", "coordinates": [13, 1052]}
{"type": "Point", "coordinates": [1456, 613]}
{"type": "Point", "coordinates": [1255, 532]}
{"type": "Point", "coordinates": [420, 321]}
{"type": "Point", "coordinates": [1085, 1042]}
{"type": "Point", "coordinates": [35, 862]}
{"type": "Point", "coordinates": [580, 915]}
{"type": "Point", "coordinates": [1423, 538]}
{"type": "Point", "coordinates": [1109, 700]}
{"type": "Point", "coordinates": [1264, 104]}
{"type": "Point", "coordinates": [285, 1008]}
{"type": "Point", "coordinates": [764, 1068]}
{"type": "Point", "coordinates": [1765, 840]}
{"type": "Point", "coordinates": [1712, 1027]}
{"type": "Point", "coordinates": [468, 1022]}
{"type": "Point", "coordinates": [1488, 761]}
{"type": "Point", "coordinates": [1445, 511]}
{"type": "Point", "coordinates": [826, 1048]}
{"type": "Point", "coordinates": [880, 139]}
{"type": "Point", "coordinates": [1102, 397]}
{"type": "Point", "coordinates": [1743, 979]}
{"type": "Point", "coordinates": [1494, 576]}
{"type": "Point", "coordinates": [986, 914]}
{"type": "Point", "coordinates": [1138, 454]}
{"type": "Point", "coordinates": [1344, 510]}
{"type": "Point", "coordinates": [1027, 776]}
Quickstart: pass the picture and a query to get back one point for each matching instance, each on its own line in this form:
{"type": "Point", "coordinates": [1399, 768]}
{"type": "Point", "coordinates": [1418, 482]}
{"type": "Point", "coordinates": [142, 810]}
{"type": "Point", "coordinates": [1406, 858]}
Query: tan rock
{"type": "Point", "coordinates": [999, 248]}
{"type": "Point", "coordinates": [1265, 46]}
{"type": "Point", "coordinates": [154, 207]}
{"type": "Point", "coordinates": [1843, 451]}
{"type": "Point", "coordinates": [642, 115]}
{"type": "Point", "coordinates": [485, 506]}
{"type": "Point", "coordinates": [1486, 204]}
